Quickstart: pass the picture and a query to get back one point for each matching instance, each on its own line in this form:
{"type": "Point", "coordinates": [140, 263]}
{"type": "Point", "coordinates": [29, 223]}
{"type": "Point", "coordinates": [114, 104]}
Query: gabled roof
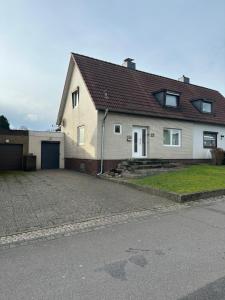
{"type": "Point", "coordinates": [131, 91]}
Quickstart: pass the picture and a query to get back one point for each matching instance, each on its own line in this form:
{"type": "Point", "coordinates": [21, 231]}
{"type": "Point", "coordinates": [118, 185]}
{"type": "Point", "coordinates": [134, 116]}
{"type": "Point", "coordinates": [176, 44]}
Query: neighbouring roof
{"type": "Point", "coordinates": [131, 91]}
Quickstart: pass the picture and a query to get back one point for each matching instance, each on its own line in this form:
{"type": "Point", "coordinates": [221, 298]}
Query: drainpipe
{"type": "Point", "coordinates": [102, 141]}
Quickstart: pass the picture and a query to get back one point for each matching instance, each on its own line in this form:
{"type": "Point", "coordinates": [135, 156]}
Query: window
{"type": "Point", "coordinates": [209, 139]}
{"type": "Point", "coordinates": [203, 106]}
{"type": "Point", "coordinates": [172, 137]}
{"type": "Point", "coordinates": [167, 98]}
{"type": "Point", "coordinates": [75, 98]}
{"type": "Point", "coordinates": [171, 100]}
{"type": "Point", "coordinates": [206, 107]}
{"type": "Point", "coordinates": [117, 129]}
{"type": "Point", "coordinates": [80, 135]}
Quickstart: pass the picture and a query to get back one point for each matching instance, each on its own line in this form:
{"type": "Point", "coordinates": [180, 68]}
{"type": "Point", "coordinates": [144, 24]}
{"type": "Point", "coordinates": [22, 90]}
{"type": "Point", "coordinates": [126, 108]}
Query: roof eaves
{"type": "Point", "coordinates": [148, 114]}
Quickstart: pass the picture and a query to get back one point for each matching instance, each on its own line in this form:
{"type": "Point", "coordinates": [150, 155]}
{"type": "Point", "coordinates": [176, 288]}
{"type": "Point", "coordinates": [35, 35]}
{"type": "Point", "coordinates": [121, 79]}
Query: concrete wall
{"type": "Point", "coordinates": [198, 151]}
{"type": "Point", "coordinates": [117, 146]}
{"type": "Point", "coordinates": [35, 139]}
{"type": "Point", "coordinates": [84, 114]}
{"type": "Point", "coordinates": [15, 137]}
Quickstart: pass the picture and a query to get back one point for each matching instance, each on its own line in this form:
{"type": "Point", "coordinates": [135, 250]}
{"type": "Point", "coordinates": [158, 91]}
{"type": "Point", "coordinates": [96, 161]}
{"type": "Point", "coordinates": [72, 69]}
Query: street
{"type": "Point", "coordinates": [177, 255]}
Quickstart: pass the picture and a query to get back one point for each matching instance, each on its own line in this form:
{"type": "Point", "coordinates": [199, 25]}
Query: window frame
{"type": "Point", "coordinates": [168, 93]}
{"type": "Point", "coordinates": [198, 104]}
{"type": "Point", "coordinates": [171, 130]}
{"type": "Point", "coordinates": [208, 102]}
{"type": "Point", "coordinates": [114, 129]}
{"type": "Point", "coordinates": [213, 133]}
{"type": "Point", "coordinates": [77, 93]}
{"type": "Point", "coordinates": [162, 101]}
{"type": "Point", "coordinates": [78, 135]}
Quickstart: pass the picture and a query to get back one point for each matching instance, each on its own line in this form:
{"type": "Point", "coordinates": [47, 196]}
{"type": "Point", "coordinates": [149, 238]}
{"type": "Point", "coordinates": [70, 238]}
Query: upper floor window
{"type": "Point", "coordinates": [75, 98]}
{"type": "Point", "coordinates": [203, 106]}
{"type": "Point", "coordinates": [168, 98]}
{"type": "Point", "coordinates": [206, 107]}
{"type": "Point", "coordinates": [171, 100]}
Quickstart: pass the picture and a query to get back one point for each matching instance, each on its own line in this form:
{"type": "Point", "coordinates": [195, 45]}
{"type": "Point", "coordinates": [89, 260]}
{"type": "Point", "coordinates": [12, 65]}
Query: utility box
{"type": "Point", "coordinates": [29, 163]}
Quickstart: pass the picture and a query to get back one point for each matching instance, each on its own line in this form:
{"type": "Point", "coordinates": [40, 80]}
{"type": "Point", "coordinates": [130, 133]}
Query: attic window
{"type": "Point", "coordinates": [206, 107]}
{"type": "Point", "coordinates": [168, 98]}
{"type": "Point", "coordinates": [171, 100]}
{"type": "Point", "coordinates": [75, 98]}
{"type": "Point", "coordinates": [203, 106]}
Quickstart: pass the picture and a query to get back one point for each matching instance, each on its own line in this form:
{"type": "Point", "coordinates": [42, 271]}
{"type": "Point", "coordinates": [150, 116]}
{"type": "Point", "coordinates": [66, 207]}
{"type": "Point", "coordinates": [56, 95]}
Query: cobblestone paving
{"type": "Point", "coordinates": [43, 199]}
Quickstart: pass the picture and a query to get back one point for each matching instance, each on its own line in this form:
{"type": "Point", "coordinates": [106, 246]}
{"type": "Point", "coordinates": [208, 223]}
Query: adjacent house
{"type": "Point", "coordinates": [110, 113]}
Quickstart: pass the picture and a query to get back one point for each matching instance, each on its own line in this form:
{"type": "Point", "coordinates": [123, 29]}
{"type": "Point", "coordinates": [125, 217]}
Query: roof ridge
{"type": "Point", "coordinates": [135, 70]}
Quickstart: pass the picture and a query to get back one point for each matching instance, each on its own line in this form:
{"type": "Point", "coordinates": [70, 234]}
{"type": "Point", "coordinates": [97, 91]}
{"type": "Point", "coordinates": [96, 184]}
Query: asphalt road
{"type": "Point", "coordinates": [178, 255]}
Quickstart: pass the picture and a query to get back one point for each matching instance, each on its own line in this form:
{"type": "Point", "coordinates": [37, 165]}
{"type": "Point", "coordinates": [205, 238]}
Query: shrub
{"type": "Point", "coordinates": [217, 156]}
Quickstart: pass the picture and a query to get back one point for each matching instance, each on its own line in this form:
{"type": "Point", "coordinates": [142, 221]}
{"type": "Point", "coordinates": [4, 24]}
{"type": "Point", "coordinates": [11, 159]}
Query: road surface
{"type": "Point", "coordinates": [177, 255]}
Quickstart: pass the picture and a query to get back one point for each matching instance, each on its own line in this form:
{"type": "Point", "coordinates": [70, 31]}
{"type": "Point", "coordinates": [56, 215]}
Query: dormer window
{"type": "Point", "coordinates": [203, 106]}
{"type": "Point", "coordinates": [171, 100]}
{"type": "Point", "coordinates": [167, 98]}
{"type": "Point", "coordinates": [206, 107]}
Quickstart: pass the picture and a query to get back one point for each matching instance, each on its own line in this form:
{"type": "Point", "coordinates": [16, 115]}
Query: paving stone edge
{"type": "Point", "coordinates": [24, 238]}
{"type": "Point", "coordinates": [180, 198]}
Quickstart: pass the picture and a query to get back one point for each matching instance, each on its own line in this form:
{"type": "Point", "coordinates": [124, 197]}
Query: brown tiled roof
{"type": "Point", "coordinates": [124, 90]}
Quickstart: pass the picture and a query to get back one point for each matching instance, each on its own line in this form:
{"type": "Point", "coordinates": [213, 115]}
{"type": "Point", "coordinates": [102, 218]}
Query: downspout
{"type": "Point", "coordinates": [102, 141]}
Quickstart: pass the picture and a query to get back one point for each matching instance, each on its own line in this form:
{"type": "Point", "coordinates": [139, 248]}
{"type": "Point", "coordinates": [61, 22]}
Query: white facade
{"type": "Point", "coordinates": [35, 139]}
{"type": "Point", "coordinates": [199, 152]}
{"type": "Point", "coordinates": [82, 126]}
{"type": "Point", "coordinates": [84, 115]}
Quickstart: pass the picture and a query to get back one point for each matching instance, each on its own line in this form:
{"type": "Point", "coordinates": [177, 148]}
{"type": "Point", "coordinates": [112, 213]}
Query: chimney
{"type": "Point", "coordinates": [184, 79]}
{"type": "Point", "coordinates": [128, 63]}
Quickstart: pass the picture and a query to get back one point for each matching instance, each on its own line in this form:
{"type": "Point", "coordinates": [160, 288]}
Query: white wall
{"type": "Point", "coordinates": [198, 151]}
{"type": "Point", "coordinates": [84, 114]}
{"type": "Point", "coordinates": [117, 146]}
{"type": "Point", "coordinates": [35, 139]}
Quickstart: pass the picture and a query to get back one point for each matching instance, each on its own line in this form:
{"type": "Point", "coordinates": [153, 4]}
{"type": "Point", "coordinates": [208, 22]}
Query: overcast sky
{"type": "Point", "coordinates": [168, 38]}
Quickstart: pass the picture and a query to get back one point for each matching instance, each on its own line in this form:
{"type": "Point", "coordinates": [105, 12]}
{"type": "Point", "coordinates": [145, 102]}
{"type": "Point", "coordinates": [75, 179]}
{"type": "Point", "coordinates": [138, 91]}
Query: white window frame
{"type": "Point", "coordinates": [172, 131]}
{"type": "Point", "coordinates": [176, 96]}
{"type": "Point", "coordinates": [79, 135]}
{"type": "Point", "coordinates": [114, 129]}
{"type": "Point", "coordinates": [77, 99]}
{"type": "Point", "coordinates": [207, 103]}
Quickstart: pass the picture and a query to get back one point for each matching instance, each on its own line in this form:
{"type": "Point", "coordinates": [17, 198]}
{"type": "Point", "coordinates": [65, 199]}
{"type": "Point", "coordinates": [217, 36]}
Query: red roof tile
{"type": "Point", "coordinates": [131, 91]}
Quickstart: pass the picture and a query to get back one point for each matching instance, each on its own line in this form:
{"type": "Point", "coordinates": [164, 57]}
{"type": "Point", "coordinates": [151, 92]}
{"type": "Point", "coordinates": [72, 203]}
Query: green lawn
{"type": "Point", "coordinates": [191, 179]}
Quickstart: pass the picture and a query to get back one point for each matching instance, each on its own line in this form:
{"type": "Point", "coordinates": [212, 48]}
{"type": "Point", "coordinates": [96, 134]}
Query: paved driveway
{"type": "Point", "coordinates": [48, 198]}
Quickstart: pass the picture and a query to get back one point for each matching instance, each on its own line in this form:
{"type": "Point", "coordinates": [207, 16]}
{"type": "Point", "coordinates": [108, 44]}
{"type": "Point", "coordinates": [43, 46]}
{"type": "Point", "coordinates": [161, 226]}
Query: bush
{"type": "Point", "coordinates": [218, 156]}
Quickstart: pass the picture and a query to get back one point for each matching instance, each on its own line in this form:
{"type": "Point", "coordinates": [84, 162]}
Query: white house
{"type": "Point", "coordinates": [110, 113]}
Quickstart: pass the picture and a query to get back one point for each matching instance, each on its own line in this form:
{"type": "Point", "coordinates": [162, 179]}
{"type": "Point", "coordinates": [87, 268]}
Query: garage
{"type": "Point", "coordinates": [48, 147]}
{"type": "Point", "coordinates": [49, 155]}
{"type": "Point", "coordinates": [11, 156]}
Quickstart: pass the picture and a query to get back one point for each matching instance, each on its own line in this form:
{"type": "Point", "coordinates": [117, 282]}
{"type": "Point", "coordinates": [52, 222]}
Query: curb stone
{"type": "Point", "coordinates": [44, 234]}
{"type": "Point", "coordinates": [179, 198]}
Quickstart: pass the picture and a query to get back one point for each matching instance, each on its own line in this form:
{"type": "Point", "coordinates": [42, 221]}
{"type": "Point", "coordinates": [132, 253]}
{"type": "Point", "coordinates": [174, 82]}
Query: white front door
{"type": "Point", "coordinates": [139, 142]}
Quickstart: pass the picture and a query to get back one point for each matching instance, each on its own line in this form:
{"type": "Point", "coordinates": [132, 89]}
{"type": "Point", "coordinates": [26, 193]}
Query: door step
{"type": "Point", "coordinates": [142, 167]}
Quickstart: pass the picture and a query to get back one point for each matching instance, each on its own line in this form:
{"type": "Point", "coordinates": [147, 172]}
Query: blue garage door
{"type": "Point", "coordinates": [50, 155]}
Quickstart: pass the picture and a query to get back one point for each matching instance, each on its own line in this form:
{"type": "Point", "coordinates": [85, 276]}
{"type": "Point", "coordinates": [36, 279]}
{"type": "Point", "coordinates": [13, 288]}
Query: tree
{"type": "Point", "coordinates": [4, 123]}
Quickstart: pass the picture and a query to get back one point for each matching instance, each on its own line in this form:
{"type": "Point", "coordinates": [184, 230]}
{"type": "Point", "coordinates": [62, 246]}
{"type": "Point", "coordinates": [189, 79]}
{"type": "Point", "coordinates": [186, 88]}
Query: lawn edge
{"type": "Point", "coordinates": [180, 198]}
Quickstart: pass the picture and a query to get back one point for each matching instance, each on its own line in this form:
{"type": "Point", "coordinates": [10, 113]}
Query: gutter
{"type": "Point", "coordinates": [102, 141]}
